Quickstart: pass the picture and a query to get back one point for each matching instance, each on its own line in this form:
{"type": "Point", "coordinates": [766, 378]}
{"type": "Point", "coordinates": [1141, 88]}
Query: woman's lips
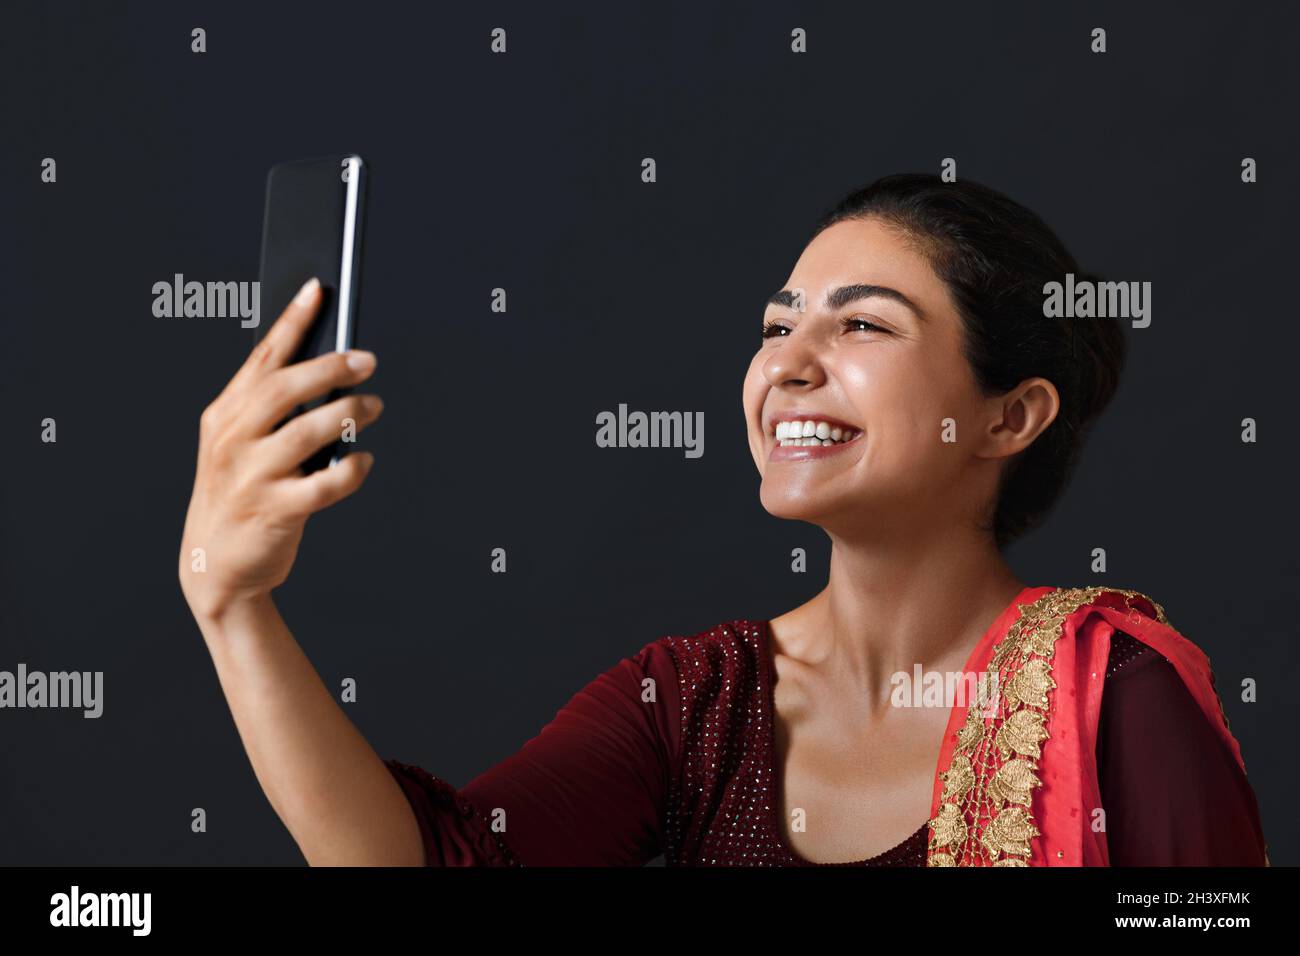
{"type": "Point", "coordinates": [781, 452]}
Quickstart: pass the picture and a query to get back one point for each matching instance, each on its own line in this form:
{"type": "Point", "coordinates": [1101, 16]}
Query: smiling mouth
{"type": "Point", "coordinates": [811, 432]}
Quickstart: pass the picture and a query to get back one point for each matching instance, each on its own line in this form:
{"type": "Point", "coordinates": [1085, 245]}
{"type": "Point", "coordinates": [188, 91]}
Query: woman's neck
{"type": "Point", "coordinates": [890, 606]}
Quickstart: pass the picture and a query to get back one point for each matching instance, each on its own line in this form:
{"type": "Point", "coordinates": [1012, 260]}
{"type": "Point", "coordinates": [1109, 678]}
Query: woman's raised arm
{"type": "Point", "coordinates": [245, 520]}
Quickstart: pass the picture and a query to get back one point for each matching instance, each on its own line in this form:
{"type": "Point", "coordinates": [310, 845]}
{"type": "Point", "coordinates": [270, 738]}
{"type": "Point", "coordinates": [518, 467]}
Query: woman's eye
{"type": "Point", "coordinates": [856, 323]}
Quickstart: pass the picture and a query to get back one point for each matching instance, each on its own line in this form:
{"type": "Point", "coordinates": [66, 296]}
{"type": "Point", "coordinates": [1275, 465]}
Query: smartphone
{"type": "Point", "coordinates": [314, 225]}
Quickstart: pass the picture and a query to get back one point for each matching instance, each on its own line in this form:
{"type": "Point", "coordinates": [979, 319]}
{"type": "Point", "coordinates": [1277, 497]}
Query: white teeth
{"type": "Point", "coordinates": [812, 433]}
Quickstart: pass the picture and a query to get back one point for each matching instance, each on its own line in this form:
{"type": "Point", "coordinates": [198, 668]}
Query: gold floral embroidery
{"type": "Point", "coordinates": [985, 815]}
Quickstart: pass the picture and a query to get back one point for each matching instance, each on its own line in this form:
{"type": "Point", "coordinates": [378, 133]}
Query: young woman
{"type": "Point", "coordinates": [911, 399]}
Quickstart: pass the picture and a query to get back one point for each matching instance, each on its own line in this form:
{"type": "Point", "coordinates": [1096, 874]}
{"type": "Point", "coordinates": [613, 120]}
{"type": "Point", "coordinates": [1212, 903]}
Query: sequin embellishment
{"type": "Point", "coordinates": [722, 802]}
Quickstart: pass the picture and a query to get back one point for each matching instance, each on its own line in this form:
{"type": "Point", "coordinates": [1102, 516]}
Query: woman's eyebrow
{"type": "Point", "coordinates": [838, 298]}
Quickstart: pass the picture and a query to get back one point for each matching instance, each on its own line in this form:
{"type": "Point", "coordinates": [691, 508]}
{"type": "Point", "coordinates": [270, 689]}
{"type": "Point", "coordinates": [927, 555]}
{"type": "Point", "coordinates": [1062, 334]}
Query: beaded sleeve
{"type": "Point", "coordinates": [590, 789]}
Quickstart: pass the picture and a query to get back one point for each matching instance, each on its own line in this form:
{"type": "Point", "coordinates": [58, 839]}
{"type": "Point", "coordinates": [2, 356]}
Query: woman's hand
{"type": "Point", "coordinates": [251, 499]}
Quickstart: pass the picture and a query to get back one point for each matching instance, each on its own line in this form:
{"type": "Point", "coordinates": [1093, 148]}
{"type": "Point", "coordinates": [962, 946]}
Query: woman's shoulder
{"type": "Point", "coordinates": [723, 684]}
{"type": "Point", "coordinates": [727, 660]}
{"type": "Point", "coordinates": [735, 641]}
{"type": "Point", "coordinates": [1050, 603]}
{"type": "Point", "coordinates": [1155, 676]}
{"type": "Point", "coordinates": [1133, 619]}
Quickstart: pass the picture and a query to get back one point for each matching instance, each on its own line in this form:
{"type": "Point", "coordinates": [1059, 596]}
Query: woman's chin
{"type": "Point", "coordinates": [793, 506]}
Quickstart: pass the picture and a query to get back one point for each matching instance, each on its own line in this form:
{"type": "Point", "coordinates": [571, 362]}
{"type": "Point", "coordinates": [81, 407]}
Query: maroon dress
{"type": "Point", "coordinates": [670, 752]}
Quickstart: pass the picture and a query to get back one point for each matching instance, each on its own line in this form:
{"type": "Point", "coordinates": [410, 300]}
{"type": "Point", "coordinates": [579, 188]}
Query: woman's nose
{"type": "Point", "coordinates": [796, 362]}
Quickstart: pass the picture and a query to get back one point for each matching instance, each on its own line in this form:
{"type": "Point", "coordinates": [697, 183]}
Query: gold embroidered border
{"type": "Point", "coordinates": [985, 815]}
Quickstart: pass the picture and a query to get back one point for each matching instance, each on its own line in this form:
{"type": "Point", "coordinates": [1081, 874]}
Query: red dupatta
{"type": "Point", "coordinates": [1017, 779]}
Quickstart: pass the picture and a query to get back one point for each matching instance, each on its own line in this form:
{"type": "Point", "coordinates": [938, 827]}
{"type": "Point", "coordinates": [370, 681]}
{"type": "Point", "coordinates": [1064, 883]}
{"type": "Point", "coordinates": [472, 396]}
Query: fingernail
{"type": "Point", "coordinates": [307, 291]}
{"type": "Point", "coordinates": [361, 361]}
{"type": "Point", "coordinates": [372, 403]}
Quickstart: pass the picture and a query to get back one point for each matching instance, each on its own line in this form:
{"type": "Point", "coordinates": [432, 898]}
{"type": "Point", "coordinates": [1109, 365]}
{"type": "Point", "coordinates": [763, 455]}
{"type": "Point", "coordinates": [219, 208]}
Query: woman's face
{"type": "Point", "coordinates": [861, 357]}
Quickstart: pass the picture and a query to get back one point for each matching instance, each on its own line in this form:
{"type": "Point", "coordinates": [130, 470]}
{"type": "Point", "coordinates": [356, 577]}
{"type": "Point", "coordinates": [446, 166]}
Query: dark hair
{"type": "Point", "coordinates": [995, 256]}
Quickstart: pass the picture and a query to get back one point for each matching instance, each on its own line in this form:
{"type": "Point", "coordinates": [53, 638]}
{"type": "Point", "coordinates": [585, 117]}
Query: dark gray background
{"type": "Point", "coordinates": [522, 171]}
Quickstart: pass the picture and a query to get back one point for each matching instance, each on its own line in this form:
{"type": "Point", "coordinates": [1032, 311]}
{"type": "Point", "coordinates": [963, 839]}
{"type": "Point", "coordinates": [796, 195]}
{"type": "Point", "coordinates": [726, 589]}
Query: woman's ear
{"type": "Point", "coordinates": [1019, 416]}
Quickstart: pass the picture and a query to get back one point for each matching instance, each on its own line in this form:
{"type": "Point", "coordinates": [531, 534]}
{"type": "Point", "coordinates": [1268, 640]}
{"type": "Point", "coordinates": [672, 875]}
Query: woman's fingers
{"type": "Point", "coordinates": [277, 394]}
{"type": "Point", "coordinates": [285, 449]}
{"type": "Point", "coordinates": [282, 339]}
{"type": "Point", "coordinates": [246, 512]}
{"type": "Point", "coordinates": [300, 497]}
